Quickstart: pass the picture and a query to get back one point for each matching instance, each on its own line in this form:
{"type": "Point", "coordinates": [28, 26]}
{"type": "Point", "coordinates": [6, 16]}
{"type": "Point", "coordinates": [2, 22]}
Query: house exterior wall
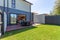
{"type": "Point", "coordinates": [22, 7]}
{"type": "Point", "coordinates": [1, 2]}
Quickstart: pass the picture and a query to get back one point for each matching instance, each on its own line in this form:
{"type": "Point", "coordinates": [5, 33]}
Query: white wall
{"type": "Point", "coordinates": [22, 5]}
{"type": "Point", "coordinates": [10, 3]}
{"type": "Point", "coordinates": [1, 2]}
{"type": "Point", "coordinates": [39, 19]}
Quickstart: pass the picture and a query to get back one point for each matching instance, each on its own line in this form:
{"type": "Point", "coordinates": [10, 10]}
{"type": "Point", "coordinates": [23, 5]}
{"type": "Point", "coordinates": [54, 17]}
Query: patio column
{"type": "Point", "coordinates": [5, 21]}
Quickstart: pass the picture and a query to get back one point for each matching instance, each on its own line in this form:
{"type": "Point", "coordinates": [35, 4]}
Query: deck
{"type": "Point", "coordinates": [15, 27]}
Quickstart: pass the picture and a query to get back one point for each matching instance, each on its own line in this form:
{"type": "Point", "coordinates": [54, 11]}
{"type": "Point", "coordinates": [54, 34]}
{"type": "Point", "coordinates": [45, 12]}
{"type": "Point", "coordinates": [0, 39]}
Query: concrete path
{"type": "Point", "coordinates": [35, 24]}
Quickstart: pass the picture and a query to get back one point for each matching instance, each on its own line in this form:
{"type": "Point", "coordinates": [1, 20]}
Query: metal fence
{"type": "Point", "coordinates": [52, 19]}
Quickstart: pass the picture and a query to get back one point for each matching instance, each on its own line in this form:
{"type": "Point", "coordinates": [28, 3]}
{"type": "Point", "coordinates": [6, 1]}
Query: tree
{"type": "Point", "coordinates": [56, 10]}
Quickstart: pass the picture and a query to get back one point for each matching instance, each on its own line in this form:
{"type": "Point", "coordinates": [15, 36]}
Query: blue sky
{"type": "Point", "coordinates": [42, 6]}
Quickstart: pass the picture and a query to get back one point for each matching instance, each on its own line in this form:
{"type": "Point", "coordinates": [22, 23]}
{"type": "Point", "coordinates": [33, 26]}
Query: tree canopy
{"type": "Point", "coordinates": [56, 10]}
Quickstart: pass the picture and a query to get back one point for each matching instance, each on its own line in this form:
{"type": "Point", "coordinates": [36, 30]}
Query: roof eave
{"type": "Point", "coordinates": [28, 2]}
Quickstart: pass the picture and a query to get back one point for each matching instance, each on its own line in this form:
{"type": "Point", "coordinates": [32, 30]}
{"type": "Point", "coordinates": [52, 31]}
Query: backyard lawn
{"type": "Point", "coordinates": [40, 32]}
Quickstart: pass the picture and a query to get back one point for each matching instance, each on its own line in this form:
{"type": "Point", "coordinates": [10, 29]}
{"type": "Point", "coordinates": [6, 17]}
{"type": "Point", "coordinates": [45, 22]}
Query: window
{"type": "Point", "coordinates": [13, 3]}
{"type": "Point", "coordinates": [13, 18]}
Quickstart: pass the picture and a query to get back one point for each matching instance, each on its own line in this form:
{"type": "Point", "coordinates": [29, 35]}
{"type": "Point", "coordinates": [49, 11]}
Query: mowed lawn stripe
{"type": "Point", "coordinates": [39, 32]}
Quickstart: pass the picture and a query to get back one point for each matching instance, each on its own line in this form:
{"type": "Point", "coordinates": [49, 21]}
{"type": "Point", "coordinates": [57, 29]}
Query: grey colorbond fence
{"type": "Point", "coordinates": [52, 19]}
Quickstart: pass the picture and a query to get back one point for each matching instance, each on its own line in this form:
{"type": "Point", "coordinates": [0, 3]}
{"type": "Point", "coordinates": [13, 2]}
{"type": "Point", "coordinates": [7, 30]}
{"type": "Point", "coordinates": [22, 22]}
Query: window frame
{"type": "Point", "coordinates": [10, 19]}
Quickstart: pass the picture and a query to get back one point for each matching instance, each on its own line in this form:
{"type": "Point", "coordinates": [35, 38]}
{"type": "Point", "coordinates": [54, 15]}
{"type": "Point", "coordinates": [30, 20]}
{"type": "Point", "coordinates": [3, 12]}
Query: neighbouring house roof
{"type": "Point", "coordinates": [27, 2]}
{"type": "Point", "coordinates": [35, 13]}
{"type": "Point", "coordinates": [45, 14]}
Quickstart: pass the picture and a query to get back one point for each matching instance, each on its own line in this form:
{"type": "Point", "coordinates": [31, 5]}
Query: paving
{"type": "Point", "coordinates": [35, 24]}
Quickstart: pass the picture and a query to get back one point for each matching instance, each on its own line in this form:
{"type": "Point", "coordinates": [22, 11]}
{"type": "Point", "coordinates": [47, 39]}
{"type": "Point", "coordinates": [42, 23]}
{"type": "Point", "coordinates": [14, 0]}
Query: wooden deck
{"type": "Point", "coordinates": [15, 27]}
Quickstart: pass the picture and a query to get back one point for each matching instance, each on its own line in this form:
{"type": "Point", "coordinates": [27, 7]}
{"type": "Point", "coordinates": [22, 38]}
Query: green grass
{"type": "Point", "coordinates": [40, 32]}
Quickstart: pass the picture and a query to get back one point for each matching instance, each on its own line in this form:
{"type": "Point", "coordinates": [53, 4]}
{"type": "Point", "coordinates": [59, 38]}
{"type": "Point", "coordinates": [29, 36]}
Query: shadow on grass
{"type": "Point", "coordinates": [10, 33]}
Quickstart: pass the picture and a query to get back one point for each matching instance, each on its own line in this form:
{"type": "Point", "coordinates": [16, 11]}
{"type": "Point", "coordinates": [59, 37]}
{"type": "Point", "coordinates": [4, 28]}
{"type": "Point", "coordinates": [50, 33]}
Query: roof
{"type": "Point", "coordinates": [27, 2]}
